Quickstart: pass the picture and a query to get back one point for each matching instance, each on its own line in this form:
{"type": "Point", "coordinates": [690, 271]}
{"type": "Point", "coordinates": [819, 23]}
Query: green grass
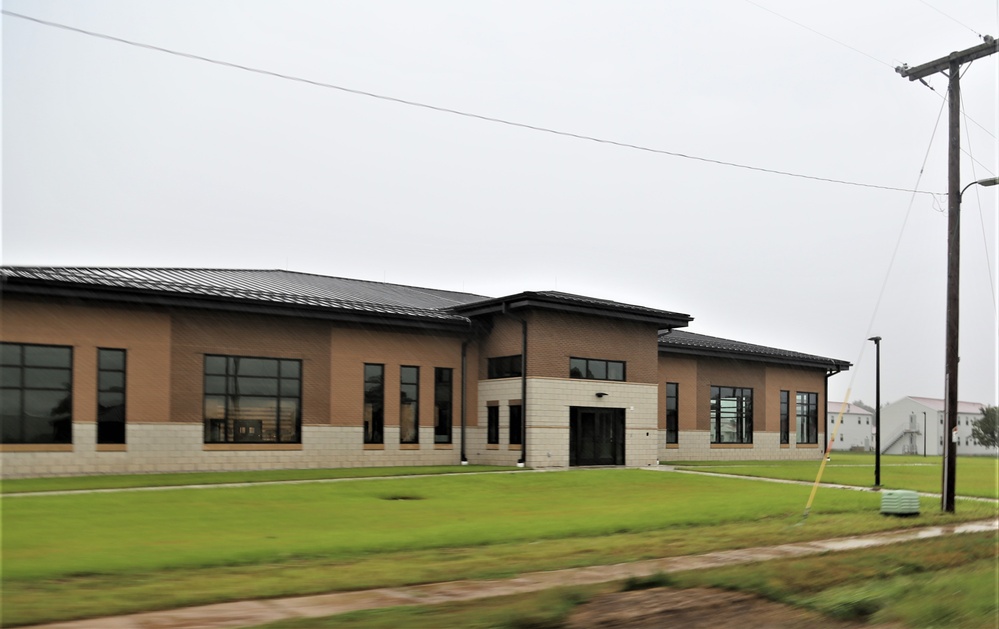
{"type": "Point", "coordinates": [126, 481]}
{"type": "Point", "coordinates": [81, 555]}
{"type": "Point", "coordinates": [948, 582]}
{"type": "Point", "coordinates": [976, 476]}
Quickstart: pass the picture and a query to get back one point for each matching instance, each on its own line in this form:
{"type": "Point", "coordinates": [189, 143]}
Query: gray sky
{"type": "Point", "coordinates": [119, 156]}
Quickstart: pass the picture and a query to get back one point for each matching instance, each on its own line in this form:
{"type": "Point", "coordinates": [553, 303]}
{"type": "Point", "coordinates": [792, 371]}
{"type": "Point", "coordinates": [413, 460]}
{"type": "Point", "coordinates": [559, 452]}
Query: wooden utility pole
{"type": "Point", "coordinates": [952, 65]}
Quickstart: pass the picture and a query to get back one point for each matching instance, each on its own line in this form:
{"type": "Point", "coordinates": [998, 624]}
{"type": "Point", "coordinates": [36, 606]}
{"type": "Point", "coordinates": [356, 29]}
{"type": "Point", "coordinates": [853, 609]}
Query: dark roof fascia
{"type": "Point", "coordinates": [528, 300]}
{"type": "Point", "coordinates": [141, 297]}
{"type": "Point", "coordinates": [796, 361]}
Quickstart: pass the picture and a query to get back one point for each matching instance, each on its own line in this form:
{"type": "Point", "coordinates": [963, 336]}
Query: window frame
{"type": "Point", "coordinates": [811, 409]}
{"type": "Point", "coordinates": [505, 367]}
{"type": "Point", "coordinates": [413, 403]}
{"type": "Point", "coordinates": [253, 429]}
{"type": "Point", "coordinates": [601, 364]}
{"type": "Point", "coordinates": [492, 425]}
{"type": "Point", "coordinates": [373, 405]}
{"type": "Point", "coordinates": [673, 414]}
{"type": "Point", "coordinates": [785, 417]}
{"type": "Point", "coordinates": [443, 405]}
{"type": "Point", "coordinates": [743, 419]}
{"type": "Point", "coordinates": [107, 435]}
{"type": "Point", "coordinates": [21, 390]}
{"type": "Point", "coordinates": [516, 436]}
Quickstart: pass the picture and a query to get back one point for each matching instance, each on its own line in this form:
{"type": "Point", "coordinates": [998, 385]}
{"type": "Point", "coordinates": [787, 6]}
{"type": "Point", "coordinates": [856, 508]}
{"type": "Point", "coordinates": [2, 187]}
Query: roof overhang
{"type": "Point", "coordinates": [830, 365]}
{"type": "Point", "coordinates": [611, 310]}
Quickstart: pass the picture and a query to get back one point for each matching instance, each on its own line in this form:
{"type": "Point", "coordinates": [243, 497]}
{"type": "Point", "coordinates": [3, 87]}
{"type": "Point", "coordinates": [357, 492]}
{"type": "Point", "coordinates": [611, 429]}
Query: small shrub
{"type": "Point", "coordinates": [657, 580]}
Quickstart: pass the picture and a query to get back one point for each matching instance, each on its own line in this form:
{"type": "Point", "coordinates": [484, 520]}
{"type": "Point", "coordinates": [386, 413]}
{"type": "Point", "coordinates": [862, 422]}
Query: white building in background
{"type": "Point", "coordinates": [856, 430]}
{"type": "Point", "coordinates": [915, 425]}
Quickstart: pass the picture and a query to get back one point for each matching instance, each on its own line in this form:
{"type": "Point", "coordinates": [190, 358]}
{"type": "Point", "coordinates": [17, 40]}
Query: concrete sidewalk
{"type": "Point", "coordinates": [250, 613]}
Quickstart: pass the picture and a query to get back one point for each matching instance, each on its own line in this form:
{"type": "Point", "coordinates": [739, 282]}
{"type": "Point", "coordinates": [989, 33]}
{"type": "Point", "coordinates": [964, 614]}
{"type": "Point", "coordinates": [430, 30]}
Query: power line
{"type": "Point", "coordinates": [981, 220]}
{"type": "Point", "coordinates": [953, 19]}
{"type": "Point", "coordinates": [820, 34]}
{"type": "Point", "coordinates": [456, 112]}
{"type": "Point", "coordinates": [871, 57]}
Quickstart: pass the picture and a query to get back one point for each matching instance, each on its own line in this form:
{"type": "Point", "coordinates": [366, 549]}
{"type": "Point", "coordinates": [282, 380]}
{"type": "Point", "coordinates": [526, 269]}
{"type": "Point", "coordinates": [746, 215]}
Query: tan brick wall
{"type": "Point", "coordinates": [196, 333]}
{"type": "Point", "coordinates": [143, 333]}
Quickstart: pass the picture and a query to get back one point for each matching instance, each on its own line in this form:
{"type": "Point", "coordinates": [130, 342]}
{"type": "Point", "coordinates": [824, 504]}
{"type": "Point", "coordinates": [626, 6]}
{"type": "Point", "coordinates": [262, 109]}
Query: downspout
{"type": "Point", "coordinates": [523, 394]}
{"type": "Point", "coordinates": [464, 354]}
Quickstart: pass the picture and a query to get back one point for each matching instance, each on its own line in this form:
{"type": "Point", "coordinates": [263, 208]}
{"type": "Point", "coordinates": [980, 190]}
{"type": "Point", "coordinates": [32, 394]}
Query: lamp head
{"type": "Point", "coordinates": [876, 339]}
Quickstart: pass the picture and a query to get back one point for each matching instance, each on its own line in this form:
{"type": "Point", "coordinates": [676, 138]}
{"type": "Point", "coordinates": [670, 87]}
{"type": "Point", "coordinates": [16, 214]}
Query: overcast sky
{"type": "Point", "coordinates": [115, 155]}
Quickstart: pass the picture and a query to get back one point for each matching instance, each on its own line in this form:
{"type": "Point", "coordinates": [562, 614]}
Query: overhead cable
{"type": "Point", "coordinates": [455, 112]}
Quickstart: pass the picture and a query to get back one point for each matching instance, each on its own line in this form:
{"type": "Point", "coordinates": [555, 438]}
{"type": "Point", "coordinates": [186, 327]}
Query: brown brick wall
{"type": "Point", "coordinates": [730, 373]}
{"type": "Point", "coordinates": [355, 345]}
{"type": "Point", "coordinates": [696, 376]}
{"type": "Point", "coordinates": [554, 337]}
{"type": "Point", "coordinates": [683, 371]}
{"type": "Point", "coordinates": [143, 333]}
{"type": "Point", "coordinates": [196, 333]}
{"type": "Point", "coordinates": [794, 380]}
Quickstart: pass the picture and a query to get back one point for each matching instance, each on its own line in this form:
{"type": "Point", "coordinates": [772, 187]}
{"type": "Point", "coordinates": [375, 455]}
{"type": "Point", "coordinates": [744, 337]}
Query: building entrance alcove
{"type": "Point", "coordinates": [596, 436]}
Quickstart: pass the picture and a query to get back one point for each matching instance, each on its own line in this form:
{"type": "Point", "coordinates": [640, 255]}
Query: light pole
{"type": "Point", "coordinates": [877, 412]}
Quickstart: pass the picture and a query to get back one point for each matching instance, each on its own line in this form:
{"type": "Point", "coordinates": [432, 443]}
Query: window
{"type": "Point", "coordinates": [807, 413]}
{"type": "Point", "coordinates": [858, 421]}
{"type": "Point", "coordinates": [252, 400]}
{"type": "Point", "coordinates": [505, 367]}
{"type": "Point", "coordinates": [492, 424]}
{"type": "Point", "coordinates": [374, 403]}
{"type": "Point", "coordinates": [36, 398]}
{"type": "Point", "coordinates": [868, 421]}
{"type": "Point", "coordinates": [516, 425]}
{"type": "Point", "coordinates": [593, 369]}
{"type": "Point", "coordinates": [110, 396]}
{"type": "Point", "coordinates": [672, 412]}
{"type": "Point", "coordinates": [731, 415]}
{"type": "Point", "coordinates": [841, 437]}
{"type": "Point", "coordinates": [785, 417]}
{"type": "Point", "coordinates": [409, 405]}
{"type": "Point", "coordinates": [442, 405]}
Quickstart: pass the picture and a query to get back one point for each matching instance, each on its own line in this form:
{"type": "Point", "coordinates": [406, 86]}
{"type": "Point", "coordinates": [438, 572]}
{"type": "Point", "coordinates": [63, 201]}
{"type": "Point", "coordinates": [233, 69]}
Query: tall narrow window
{"type": "Point", "coordinates": [409, 405]}
{"type": "Point", "coordinates": [808, 417]}
{"type": "Point", "coordinates": [374, 403]}
{"type": "Point", "coordinates": [785, 417]}
{"type": "Point", "coordinates": [36, 399]}
{"type": "Point", "coordinates": [110, 396]}
{"type": "Point", "coordinates": [492, 424]}
{"type": "Point", "coordinates": [672, 412]}
{"type": "Point", "coordinates": [731, 415]}
{"type": "Point", "coordinates": [250, 399]}
{"type": "Point", "coordinates": [516, 425]}
{"type": "Point", "coordinates": [442, 405]}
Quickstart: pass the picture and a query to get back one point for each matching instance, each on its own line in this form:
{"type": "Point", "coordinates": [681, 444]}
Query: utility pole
{"type": "Point", "coordinates": [877, 413]}
{"type": "Point", "coordinates": [951, 65]}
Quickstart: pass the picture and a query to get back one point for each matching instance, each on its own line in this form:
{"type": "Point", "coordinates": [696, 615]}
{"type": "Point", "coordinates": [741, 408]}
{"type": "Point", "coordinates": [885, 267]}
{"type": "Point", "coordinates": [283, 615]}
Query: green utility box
{"type": "Point", "coordinates": [899, 502]}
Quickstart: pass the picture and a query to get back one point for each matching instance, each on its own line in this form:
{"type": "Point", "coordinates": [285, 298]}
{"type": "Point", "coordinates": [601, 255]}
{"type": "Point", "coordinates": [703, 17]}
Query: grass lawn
{"type": "Point", "coordinates": [68, 556]}
{"type": "Point", "coordinates": [122, 481]}
{"type": "Point", "coordinates": [929, 583]}
{"type": "Point", "coordinates": [976, 476]}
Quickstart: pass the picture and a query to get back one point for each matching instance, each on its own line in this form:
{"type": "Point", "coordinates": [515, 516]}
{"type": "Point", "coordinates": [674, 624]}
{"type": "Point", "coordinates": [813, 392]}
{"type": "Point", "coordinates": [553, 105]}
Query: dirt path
{"type": "Point", "coordinates": [256, 612]}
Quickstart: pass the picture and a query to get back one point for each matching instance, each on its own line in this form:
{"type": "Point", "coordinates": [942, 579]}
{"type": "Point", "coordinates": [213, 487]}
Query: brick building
{"type": "Point", "coordinates": [118, 370]}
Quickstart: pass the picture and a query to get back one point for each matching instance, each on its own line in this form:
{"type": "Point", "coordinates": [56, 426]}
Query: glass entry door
{"type": "Point", "coordinates": [596, 436]}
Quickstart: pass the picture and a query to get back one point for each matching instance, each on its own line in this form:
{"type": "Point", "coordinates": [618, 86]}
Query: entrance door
{"type": "Point", "coordinates": [596, 436]}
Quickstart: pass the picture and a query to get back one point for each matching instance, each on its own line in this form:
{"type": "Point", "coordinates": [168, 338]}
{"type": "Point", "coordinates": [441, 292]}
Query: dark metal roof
{"type": "Point", "coordinates": [274, 287]}
{"type": "Point", "coordinates": [684, 342]}
{"type": "Point", "coordinates": [568, 302]}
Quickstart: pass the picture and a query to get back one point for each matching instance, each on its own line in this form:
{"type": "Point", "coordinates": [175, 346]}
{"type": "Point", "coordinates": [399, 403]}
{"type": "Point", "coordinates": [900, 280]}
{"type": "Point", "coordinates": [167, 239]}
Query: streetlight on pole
{"type": "Point", "coordinates": [877, 412]}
